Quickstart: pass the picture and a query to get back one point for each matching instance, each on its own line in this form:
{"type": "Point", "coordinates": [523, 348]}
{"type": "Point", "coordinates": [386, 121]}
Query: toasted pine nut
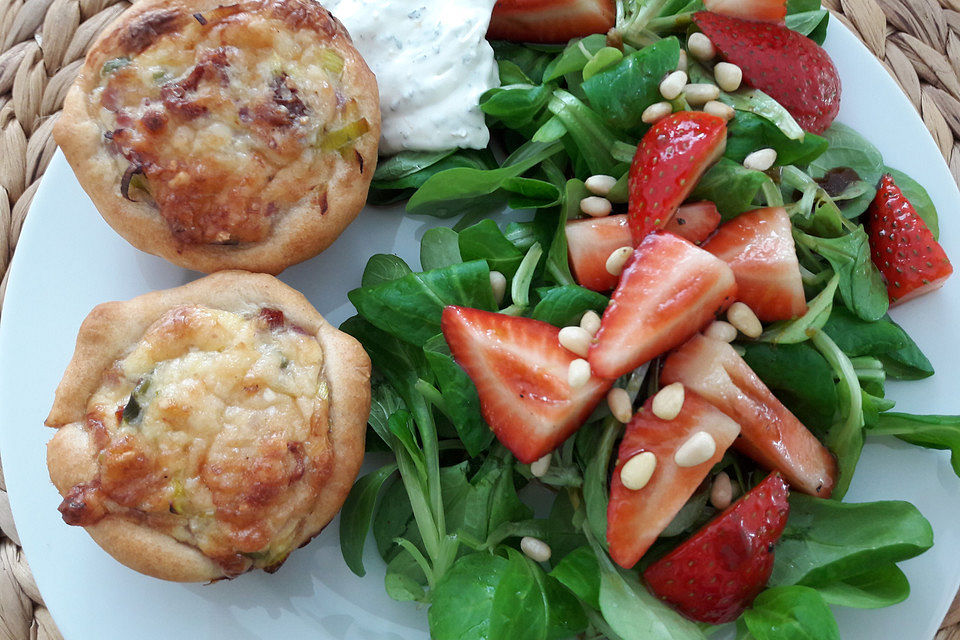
{"type": "Point", "coordinates": [539, 467]}
{"type": "Point", "coordinates": [656, 112]}
{"type": "Point", "coordinates": [595, 206]}
{"type": "Point", "coordinates": [672, 86]}
{"type": "Point", "coordinates": [620, 406]}
{"type": "Point", "coordinates": [590, 322]}
{"type": "Point", "coordinates": [576, 339]}
{"type": "Point", "coordinates": [728, 76]}
{"type": "Point", "coordinates": [761, 159]}
{"type": "Point", "coordinates": [600, 184]}
{"type": "Point", "coordinates": [700, 47]}
{"type": "Point", "coordinates": [699, 94]}
{"type": "Point", "coordinates": [722, 331]}
{"type": "Point", "coordinates": [745, 320]}
{"type": "Point", "coordinates": [668, 402]}
{"type": "Point", "coordinates": [535, 549]}
{"type": "Point", "coordinates": [721, 493]}
{"type": "Point", "coordinates": [719, 109]}
{"type": "Point", "coordinates": [682, 62]}
{"type": "Point", "coordinates": [698, 448]}
{"type": "Point", "coordinates": [498, 282]}
{"type": "Point", "coordinates": [618, 259]}
{"type": "Point", "coordinates": [637, 471]}
{"type": "Point", "coordinates": [579, 373]}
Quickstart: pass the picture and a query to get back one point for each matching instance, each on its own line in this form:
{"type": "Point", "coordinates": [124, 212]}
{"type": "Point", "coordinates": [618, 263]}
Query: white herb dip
{"type": "Point", "coordinates": [432, 65]}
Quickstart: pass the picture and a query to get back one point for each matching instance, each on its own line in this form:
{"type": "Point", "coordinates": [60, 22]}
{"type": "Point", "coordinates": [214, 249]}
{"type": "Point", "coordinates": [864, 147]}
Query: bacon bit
{"type": "Point", "coordinates": [93, 424]}
{"type": "Point", "coordinates": [83, 505]}
{"type": "Point", "coordinates": [154, 121]}
{"type": "Point", "coordinates": [359, 157]}
{"type": "Point", "coordinates": [199, 18]}
{"type": "Point", "coordinates": [273, 317]}
{"type": "Point", "coordinates": [322, 202]}
{"type": "Point", "coordinates": [146, 28]}
{"type": "Point", "coordinates": [175, 94]}
{"type": "Point", "coordinates": [296, 450]}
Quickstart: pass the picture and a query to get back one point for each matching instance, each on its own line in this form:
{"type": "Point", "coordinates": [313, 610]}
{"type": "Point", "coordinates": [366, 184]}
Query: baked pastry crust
{"type": "Point", "coordinates": [251, 130]}
{"type": "Point", "coordinates": [75, 455]}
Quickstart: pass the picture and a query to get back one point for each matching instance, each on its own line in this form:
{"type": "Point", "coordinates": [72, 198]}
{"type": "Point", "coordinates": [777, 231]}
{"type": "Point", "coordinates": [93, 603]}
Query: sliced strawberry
{"type": "Point", "coordinates": [903, 248]}
{"type": "Point", "coordinates": [771, 435]}
{"type": "Point", "coordinates": [636, 517]}
{"type": "Point", "coordinates": [550, 21]}
{"type": "Point", "coordinates": [669, 161]}
{"type": "Point", "coordinates": [758, 246]}
{"type": "Point", "coordinates": [668, 291]}
{"type": "Point", "coordinates": [589, 243]}
{"type": "Point", "coordinates": [716, 574]}
{"type": "Point", "coordinates": [694, 221]}
{"type": "Point", "coordinates": [520, 371]}
{"type": "Point", "coordinates": [789, 67]}
{"type": "Point", "coordinates": [763, 10]}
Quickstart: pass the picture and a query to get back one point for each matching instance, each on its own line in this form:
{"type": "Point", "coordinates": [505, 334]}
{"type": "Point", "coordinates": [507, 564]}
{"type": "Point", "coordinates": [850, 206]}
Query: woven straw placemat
{"type": "Point", "coordinates": [42, 44]}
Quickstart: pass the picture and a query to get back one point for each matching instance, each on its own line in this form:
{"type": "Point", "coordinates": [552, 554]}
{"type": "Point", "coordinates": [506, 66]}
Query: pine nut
{"type": "Point", "coordinates": [579, 373]}
{"type": "Point", "coordinates": [618, 259]}
{"type": "Point", "coordinates": [600, 184]}
{"type": "Point", "coordinates": [672, 86]}
{"type": "Point", "coordinates": [668, 402]}
{"type": "Point", "coordinates": [698, 448]}
{"type": "Point", "coordinates": [590, 322]}
{"type": "Point", "coordinates": [620, 406]}
{"type": "Point", "coordinates": [761, 159]}
{"type": "Point", "coordinates": [728, 76]}
{"type": "Point", "coordinates": [700, 94]}
{"type": "Point", "coordinates": [595, 206]}
{"type": "Point", "coordinates": [498, 282]}
{"type": "Point", "coordinates": [576, 339]}
{"type": "Point", "coordinates": [719, 109]}
{"type": "Point", "coordinates": [721, 493]}
{"type": "Point", "coordinates": [657, 111]}
{"type": "Point", "coordinates": [539, 468]}
{"type": "Point", "coordinates": [745, 320]}
{"type": "Point", "coordinates": [535, 549]}
{"type": "Point", "coordinates": [637, 471]}
{"type": "Point", "coordinates": [722, 331]}
{"type": "Point", "coordinates": [700, 47]}
{"type": "Point", "coordinates": [682, 62]}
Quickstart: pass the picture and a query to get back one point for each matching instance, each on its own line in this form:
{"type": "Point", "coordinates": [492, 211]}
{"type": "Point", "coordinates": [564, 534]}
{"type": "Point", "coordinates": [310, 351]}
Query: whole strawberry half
{"type": "Point", "coordinates": [789, 67]}
{"type": "Point", "coordinates": [550, 21]}
{"type": "Point", "coordinates": [902, 246]}
{"type": "Point", "coordinates": [520, 371]}
{"type": "Point", "coordinates": [716, 574]}
{"type": "Point", "coordinates": [669, 161]}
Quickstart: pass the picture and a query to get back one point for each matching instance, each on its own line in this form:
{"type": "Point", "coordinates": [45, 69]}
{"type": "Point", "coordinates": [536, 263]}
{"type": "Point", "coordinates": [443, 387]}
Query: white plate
{"type": "Point", "coordinates": [68, 260]}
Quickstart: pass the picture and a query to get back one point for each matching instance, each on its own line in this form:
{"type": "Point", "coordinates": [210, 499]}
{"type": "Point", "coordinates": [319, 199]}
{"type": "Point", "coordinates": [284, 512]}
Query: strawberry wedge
{"type": "Point", "coordinates": [758, 246]}
{"type": "Point", "coordinates": [635, 517]}
{"type": "Point", "coordinates": [771, 435]}
{"type": "Point", "coordinates": [520, 371]}
{"type": "Point", "coordinates": [589, 243]}
{"type": "Point", "coordinates": [763, 10]}
{"type": "Point", "coordinates": [694, 221]}
{"type": "Point", "coordinates": [789, 67]}
{"type": "Point", "coordinates": [903, 248]}
{"type": "Point", "coordinates": [550, 21]}
{"type": "Point", "coordinates": [668, 291]}
{"type": "Point", "coordinates": [669, 161]}
{"type": "Point", "coordinates": [716, 574]}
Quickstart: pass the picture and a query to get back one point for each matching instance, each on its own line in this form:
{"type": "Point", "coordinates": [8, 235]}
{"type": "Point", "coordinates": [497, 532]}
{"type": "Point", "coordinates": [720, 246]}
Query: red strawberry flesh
{"type": "Point", "coordinates": [670, 159]}
{"type": "Point", "coordinates": [550, 21]}
{"type": "Point", "coordinates": [694, 221]}
{"type": "Point", "coordinates": [589, 243]}
{"type": "Point", "coordinates": [903, 248]}
{"type": "Point", "coordinates": [716, 574]}
{"type": "Point", "coordinates": [763, 10]}
{"type": "Point", "coordinates": [758, 246]}
{"type": "Point", "coordinates": [668, 291]}
{"type": "Point", "coordinates": [787, 66]}
{"type": "Point", "coordinates": [636, 517]}
{"type": "Point", "coordinates": [520, 371]}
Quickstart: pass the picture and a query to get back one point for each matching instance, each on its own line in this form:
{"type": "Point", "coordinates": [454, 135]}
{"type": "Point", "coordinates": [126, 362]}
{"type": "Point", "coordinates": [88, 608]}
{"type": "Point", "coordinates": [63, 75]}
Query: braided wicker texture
{"type": "Point", "coordinates": [42, 44]}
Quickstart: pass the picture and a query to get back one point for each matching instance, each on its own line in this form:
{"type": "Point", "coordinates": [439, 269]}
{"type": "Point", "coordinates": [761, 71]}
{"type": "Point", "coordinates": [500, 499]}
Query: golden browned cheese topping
{"type": "Point", "coordinates": [225, 119]}
{"type": "Point", "coordinates": [214, 430]}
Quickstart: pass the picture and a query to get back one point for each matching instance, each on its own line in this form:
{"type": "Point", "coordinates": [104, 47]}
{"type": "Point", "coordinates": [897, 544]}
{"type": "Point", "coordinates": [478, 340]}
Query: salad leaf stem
{"type": "Point", "coordinates": [634, 25]}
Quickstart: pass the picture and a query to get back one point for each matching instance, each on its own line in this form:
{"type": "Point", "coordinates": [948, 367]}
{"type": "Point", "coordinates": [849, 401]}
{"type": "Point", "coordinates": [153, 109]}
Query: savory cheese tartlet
{"type": "Point", "coordinates": [210, 429]}
{"type": "Point", "coordinates": [224, 136]}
